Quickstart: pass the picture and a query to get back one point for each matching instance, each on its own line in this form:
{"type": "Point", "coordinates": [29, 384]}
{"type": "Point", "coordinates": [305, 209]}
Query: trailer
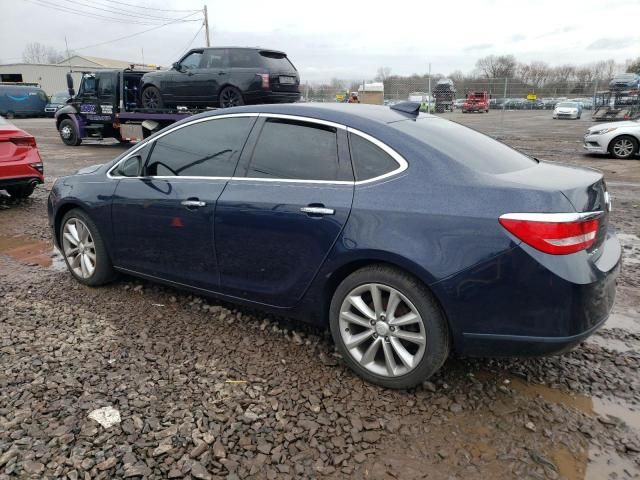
{"type": "Point", "coordinates": [616, 105]}
{"type": "Point", "coordinates": [476, 102]}
{"type": "Point", "coordinates": [107, 105]}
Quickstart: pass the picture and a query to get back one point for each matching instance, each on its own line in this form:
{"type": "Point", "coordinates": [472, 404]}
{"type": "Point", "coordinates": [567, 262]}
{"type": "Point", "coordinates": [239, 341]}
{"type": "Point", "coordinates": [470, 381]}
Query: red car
{"type": "Point", "coordinates": [20, 163]}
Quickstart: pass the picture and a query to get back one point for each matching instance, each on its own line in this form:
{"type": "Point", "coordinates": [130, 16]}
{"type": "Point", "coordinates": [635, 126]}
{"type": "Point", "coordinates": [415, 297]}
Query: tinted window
{"type": "Point", "coordinates": [124, 168]}
{"type": "Point", "coordinates": [295, 150]}
{"type": "Point", "coordinates": [191, 61]}
{"type": "Point", "coordinates": [106, 86]}
{"type": "Point", "coordinates": [369, 160]}
{"type": "Point", "coordinates": [213, 59]}
{"type": "Point", "coordinates": [240, 58]}
{"type": "Point", "coordinates": [464, 145]}
{"type": "Point", "coordinates": [276, 61]}
{"type": "Point", "coordinates": [205, 149]}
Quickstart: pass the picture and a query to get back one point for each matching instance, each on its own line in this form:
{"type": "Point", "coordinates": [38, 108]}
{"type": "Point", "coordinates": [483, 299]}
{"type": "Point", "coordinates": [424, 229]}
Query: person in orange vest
{"type": "Point", "coordinates": [354, 98]}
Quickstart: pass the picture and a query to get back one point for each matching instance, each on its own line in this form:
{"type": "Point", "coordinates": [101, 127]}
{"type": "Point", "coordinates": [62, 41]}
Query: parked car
{"type": "Point", "coordinates": [513, 104]}
{"type": "Point", "coordinates": [458, 103]}
{"type": "Point", "coordinates": [619, 139]}
{"type": "Point", "coordinates": [497, 103]}
{"type": "Point", "coordinates": [22, 101]}
{"type": "Point", "coordinates": [223, 77]}
{"type": "Point", "coordinates": [587, 103]}
{"type": "Point", "coordinates": [533, 105]}
{"type": "Point", "coordinates": [625, 81]}
{"type": "Point", "coordinates": [57, 101]}
{"type": "Point", "coordinates": [20, 163]}
{"type": "Point", "coordinates": [572, 110]}
{"type": "Point", "coordinates": [320, 212]}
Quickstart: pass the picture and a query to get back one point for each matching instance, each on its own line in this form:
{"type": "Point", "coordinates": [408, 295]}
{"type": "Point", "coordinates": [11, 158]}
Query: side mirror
{"type": "Point", "coordinates": [176, 66]}
{"type": "Point", "coordinates": [130, 167]}
{"type": "Point", "coordinates": [70, 88]}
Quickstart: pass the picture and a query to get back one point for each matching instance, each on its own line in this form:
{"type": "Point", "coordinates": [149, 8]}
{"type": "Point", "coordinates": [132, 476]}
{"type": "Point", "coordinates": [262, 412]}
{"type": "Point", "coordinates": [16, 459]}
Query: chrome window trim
{"type": "Point", "coordinates": [402, 163]}
{"type": "Point", "coordinates": [552, 217]}
{"type": "Point", "coordinates": [178, 127]}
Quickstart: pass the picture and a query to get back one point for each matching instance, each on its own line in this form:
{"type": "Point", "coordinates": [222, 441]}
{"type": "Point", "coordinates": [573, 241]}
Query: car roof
{"type": "Point", "coordinates": [257, 49]}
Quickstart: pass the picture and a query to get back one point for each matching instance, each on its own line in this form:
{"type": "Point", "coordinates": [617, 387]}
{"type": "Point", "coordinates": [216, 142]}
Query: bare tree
{"type": "Point", "coordinates": [383, 74]}
{"type": "Point", "coordinates": [36, 52]}
{"type": "Point", "coordinates": [634, 66]}
{"type": "Point", "coordinates": [493, 66]}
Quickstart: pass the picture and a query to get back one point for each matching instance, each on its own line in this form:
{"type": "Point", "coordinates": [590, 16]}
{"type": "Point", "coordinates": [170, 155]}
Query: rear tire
{"type": "Point", "coordinates": [382, 349]}
{"type": "Point", "coordinates": [152, 98]}
{"type": "Point", "coordinates": [69, 134]}
{"type": "Point", "coordinates": [21, 191]}
{"type": "Point", "coordinates": [79, 237]}
{"type": "Point", "coordinates": [623, 147]}
{"type": "Point", "coordinates": [230, 97]}
{"type": "Point", "coordinates": [9, 115]}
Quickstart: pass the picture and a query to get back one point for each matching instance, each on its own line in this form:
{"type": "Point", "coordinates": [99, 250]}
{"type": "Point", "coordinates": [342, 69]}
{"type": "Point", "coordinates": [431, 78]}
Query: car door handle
{"type": "Point", "coordinates": [193, 203]}
{"type": "Point", "coordinates": [222, 73]}
{"type": "Point", "coordinates": [318, 211]}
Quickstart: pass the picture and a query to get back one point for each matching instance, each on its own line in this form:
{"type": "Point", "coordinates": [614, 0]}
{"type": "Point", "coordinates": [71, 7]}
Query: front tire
{"type": "Point", "coordinates": [623, 147]}
{"type": "Point", "coordinates": [69, 133]}
{"type": "Point", "coordinates": [22, 191]}
{"type": "Point", "coordinates": [83, 249]}
{"type": "Point", "coordinates": [388, 327]}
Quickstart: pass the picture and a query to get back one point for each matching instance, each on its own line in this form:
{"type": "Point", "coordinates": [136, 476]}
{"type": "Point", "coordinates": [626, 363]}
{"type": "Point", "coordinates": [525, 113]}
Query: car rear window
{"type": "Point", "coordinates": [276, 61]}
{"type": "Point", "coordinates": [466, 146]}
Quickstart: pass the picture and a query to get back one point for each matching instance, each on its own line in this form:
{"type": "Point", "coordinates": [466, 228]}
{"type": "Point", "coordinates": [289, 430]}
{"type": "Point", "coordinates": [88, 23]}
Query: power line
{"type": "Point", "coordinates": [59, 7]}
{"type": "Point", "coordinates": [189, 44]}
{"type": "Point", "coordinates": [180, 20]}
{"type": "Point", "coordinates": [121, 12]}
{"type": "Point", "coordinates": [154, 8]}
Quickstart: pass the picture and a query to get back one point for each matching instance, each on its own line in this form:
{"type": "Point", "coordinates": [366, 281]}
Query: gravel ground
{"type": "Point", "coordinates": [206, 390]}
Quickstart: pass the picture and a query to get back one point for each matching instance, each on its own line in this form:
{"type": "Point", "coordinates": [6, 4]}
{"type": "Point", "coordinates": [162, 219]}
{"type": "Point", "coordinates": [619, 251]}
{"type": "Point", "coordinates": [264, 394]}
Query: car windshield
{"type": "Point", "coordinates": [469, 147]}
{"type": "Point", "coordinates": [59, 98]}
{"type": "Point", "coordinates": [277, 61]}
{"type": "Point", "coordinates": [568, 105]}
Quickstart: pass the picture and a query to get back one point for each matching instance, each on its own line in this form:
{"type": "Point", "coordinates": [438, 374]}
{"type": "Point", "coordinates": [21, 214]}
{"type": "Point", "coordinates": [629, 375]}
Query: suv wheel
{"type": "Point", "coordinates": [83, 249]}
{"type": "Point", "coordinates": [230, 97]}
{"type": "Point", "coordinates": [152, 98]}
{"type": "Point", "coordinates": [388, 327]}
{"type": "Point", "coordinates": [623, 147]}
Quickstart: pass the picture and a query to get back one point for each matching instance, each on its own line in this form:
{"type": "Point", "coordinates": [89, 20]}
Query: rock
{"type": "Point", "coordinates": [429, 386]}
{"type": "Point", "coordinates": [32, 468]}
{"type": "Point", "coordinates": [199, 472]}
{"type": "Point", "coordinates": [359, 457]}
{"type": "Point", "coordinates": [105, 416]}
{"type": "Point", "coordinates": [167, 432]}
{"type": "Point", "coordinates": [175, 473]}
{"type": "Point", "coordinates": [455, 408]}
{"type": "Point", "coordinates": [198, 450]}
{"type": "Point", "coordinates": [264, 448]}
{"type": "Point", "coordinates": [530, 426]}
{"type": "Point", "coordinates": [219, 450]}
{"type": "Point", "coordinates": [8, 455]}
{"type": "Point", "coordinates": [140, 469]}
{"type": "Point", "coordinates": [107, 464]}
{"type": "Point", "coordinates": [162, 449]}
{"type": "Point", "coordinates": [371, 436]}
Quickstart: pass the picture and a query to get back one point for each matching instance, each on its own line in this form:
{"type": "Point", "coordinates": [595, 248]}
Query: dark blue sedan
{"type": "Point", "coordinates": [410, 236]}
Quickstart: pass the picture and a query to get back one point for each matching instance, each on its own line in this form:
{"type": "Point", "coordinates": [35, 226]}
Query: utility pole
{"type": "Point", "coordinates": [68, 56]}
{"type": "Point", "coordinates": [206, 26]}
{"type": "Point", "coordinates": [429, 82]}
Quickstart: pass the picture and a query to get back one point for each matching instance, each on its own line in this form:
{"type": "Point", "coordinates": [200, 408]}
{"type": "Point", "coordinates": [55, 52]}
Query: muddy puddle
{"type": "Point", "coordinates": [31, 252]}
{"type": "Point", "coordinates": [594, 464]}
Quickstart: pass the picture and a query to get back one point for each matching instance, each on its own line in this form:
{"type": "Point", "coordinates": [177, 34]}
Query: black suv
{"type": "Point", "coordinates": [222, 77]}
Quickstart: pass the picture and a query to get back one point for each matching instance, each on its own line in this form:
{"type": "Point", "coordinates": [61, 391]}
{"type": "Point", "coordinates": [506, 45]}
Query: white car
{"type": "Point", "coordinates": [568, 110]}
{"type": "Point", "coordinates": [620, 139]}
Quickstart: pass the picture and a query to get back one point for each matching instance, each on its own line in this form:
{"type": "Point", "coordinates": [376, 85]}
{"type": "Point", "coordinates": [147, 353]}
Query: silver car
{"type": "Point", "coordinates": [568, 110]}
{"type": "Point", "coordinates": [620, 139]}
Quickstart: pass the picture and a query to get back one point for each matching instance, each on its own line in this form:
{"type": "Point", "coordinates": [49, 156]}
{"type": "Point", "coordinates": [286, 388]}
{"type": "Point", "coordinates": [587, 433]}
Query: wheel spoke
{"type": "Point", "coordinates": [358, 338]}
{"type": "Point", "coordinates": [406, 319]}
{"type": "Point", "coordinates": [405, 357]}
{"type": "Point", "coordinates": [389, 359]}
{"type": "Point", "coordinates": [71, 238]}
{"type": "Point", "coordinates": [409, 336]}
{"type": "Point", "coordinates": [356, 301]}
{"type": "Point", "coordinates": [83, 267]}
{"type": "Point", "coordinates": [352, 318]}
{"type": "Point", "coordinates": [71, 251]}
{"type": "Point", "coordinates": [74, 231]}
{"type": "Point", "coordinates": [376, 296]}
{"type": "Point", "coordinates": [91, 255]}
{"type": "Point", "coordinates": [370, 354]}
{"type": "Point", "coordinates": [392, 305]}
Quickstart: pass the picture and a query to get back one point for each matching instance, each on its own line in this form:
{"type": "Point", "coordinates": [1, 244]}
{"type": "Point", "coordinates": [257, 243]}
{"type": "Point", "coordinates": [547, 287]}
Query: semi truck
{"type": "Point", "coordinates": [476, 102]}
{"type": "Point", "coordinates": [107, 105]}
{"type": "Point", "coordinates": [445, 94]}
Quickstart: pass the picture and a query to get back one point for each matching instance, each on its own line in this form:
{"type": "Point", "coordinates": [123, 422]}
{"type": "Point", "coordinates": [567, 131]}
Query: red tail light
{"type": "Point", "coordinates": [265, 80]}
{"type": "Point", "coordinates": [24, 141]}
{"type": "Point", "coordinates": [554, 233]}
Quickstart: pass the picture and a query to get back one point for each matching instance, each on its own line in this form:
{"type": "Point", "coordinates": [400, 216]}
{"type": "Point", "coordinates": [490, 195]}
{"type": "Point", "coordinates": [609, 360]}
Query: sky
{"type": "Point", "coordinates": [336, 38]}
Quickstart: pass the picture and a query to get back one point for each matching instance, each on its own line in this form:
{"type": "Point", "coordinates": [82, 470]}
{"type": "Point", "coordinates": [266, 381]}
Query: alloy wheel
{"type": "Point", "coordinates": [150, 98]}
{"type": "Point", "coordinates": [382, 330]}
{"type": "Point", "coordinates": [623, 147]}
{"type": "Point", "coordinates": [231, 98]}
{"type": "Point", "coordinates": [78, 248]}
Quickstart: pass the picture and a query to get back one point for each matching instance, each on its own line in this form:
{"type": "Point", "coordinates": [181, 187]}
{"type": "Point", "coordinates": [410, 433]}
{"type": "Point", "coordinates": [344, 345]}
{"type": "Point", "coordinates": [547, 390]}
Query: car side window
{"type": "Point", "coordinates": [213, 58]}
{"type": "Point", "coordinates": [132, 166]}
{"type": "Point", "coordinates": [204, 149]}
{"type": "Point", "coordinates": [240, 58]}
{"type": "Point", "coordinates": [105, 86]}
{"type": "Point", "coordinates": [191, 61]}
{"type": "Point", "coordinates": [369, 160]}
{"type": "Point", "coordinates": [295, 150]}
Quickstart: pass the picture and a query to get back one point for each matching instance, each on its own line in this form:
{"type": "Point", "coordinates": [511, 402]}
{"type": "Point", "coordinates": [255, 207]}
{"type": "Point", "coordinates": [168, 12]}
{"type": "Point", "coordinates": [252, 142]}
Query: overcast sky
{"type": "Point", "coordinates": [348, 40]}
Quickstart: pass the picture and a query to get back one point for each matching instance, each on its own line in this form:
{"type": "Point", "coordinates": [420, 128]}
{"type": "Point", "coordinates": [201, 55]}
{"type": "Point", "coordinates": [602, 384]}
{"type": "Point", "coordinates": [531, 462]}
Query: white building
{"type": "Point", "coordinates": [52, 78]}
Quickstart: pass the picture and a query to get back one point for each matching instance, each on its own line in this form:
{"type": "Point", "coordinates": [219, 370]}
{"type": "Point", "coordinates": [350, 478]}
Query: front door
{"type": "Point", "coordinates": [278, 219]}
{"type": "Point", "coordinates": [163, 220]}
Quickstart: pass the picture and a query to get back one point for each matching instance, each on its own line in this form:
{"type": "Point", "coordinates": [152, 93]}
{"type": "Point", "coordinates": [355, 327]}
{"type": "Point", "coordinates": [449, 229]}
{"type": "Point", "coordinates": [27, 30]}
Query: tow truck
{"type": "Point", "coordinates": [107, 105]}
{"type": "Point", "coordinates": [616, 105]}
{"type": "Point", "coordinates": [476, 102]}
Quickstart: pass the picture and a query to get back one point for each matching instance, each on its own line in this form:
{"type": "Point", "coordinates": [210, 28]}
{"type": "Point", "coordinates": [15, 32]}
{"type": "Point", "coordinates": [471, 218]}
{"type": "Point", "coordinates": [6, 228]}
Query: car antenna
{"type": "Point", "coordinates": [412, 108]}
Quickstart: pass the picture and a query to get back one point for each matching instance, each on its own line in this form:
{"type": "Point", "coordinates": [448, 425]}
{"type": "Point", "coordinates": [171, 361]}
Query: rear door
{"type": "Point", "coordinates": [278, 219]}
{"type": "Point", "coordinates": [163, 218]}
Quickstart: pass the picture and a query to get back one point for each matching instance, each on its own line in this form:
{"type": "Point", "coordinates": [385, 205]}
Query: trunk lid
{"type": "Point", "coordinates": [283, 76]}
{"type": "Point", "coordinates": [9, 151]}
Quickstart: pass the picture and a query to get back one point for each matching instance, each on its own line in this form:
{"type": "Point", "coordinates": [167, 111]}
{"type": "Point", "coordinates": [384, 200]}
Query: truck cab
{"type": "Point", "coordinates": [476, 102]}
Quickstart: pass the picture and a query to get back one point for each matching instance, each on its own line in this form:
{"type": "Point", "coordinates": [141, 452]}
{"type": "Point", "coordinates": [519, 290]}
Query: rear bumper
{"type": "Point", "coordinates": [21, 172]}
{"type": "Point", "coordinates": [20, 181]}
{"type": "Point", "coordinates": [526, 303]}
